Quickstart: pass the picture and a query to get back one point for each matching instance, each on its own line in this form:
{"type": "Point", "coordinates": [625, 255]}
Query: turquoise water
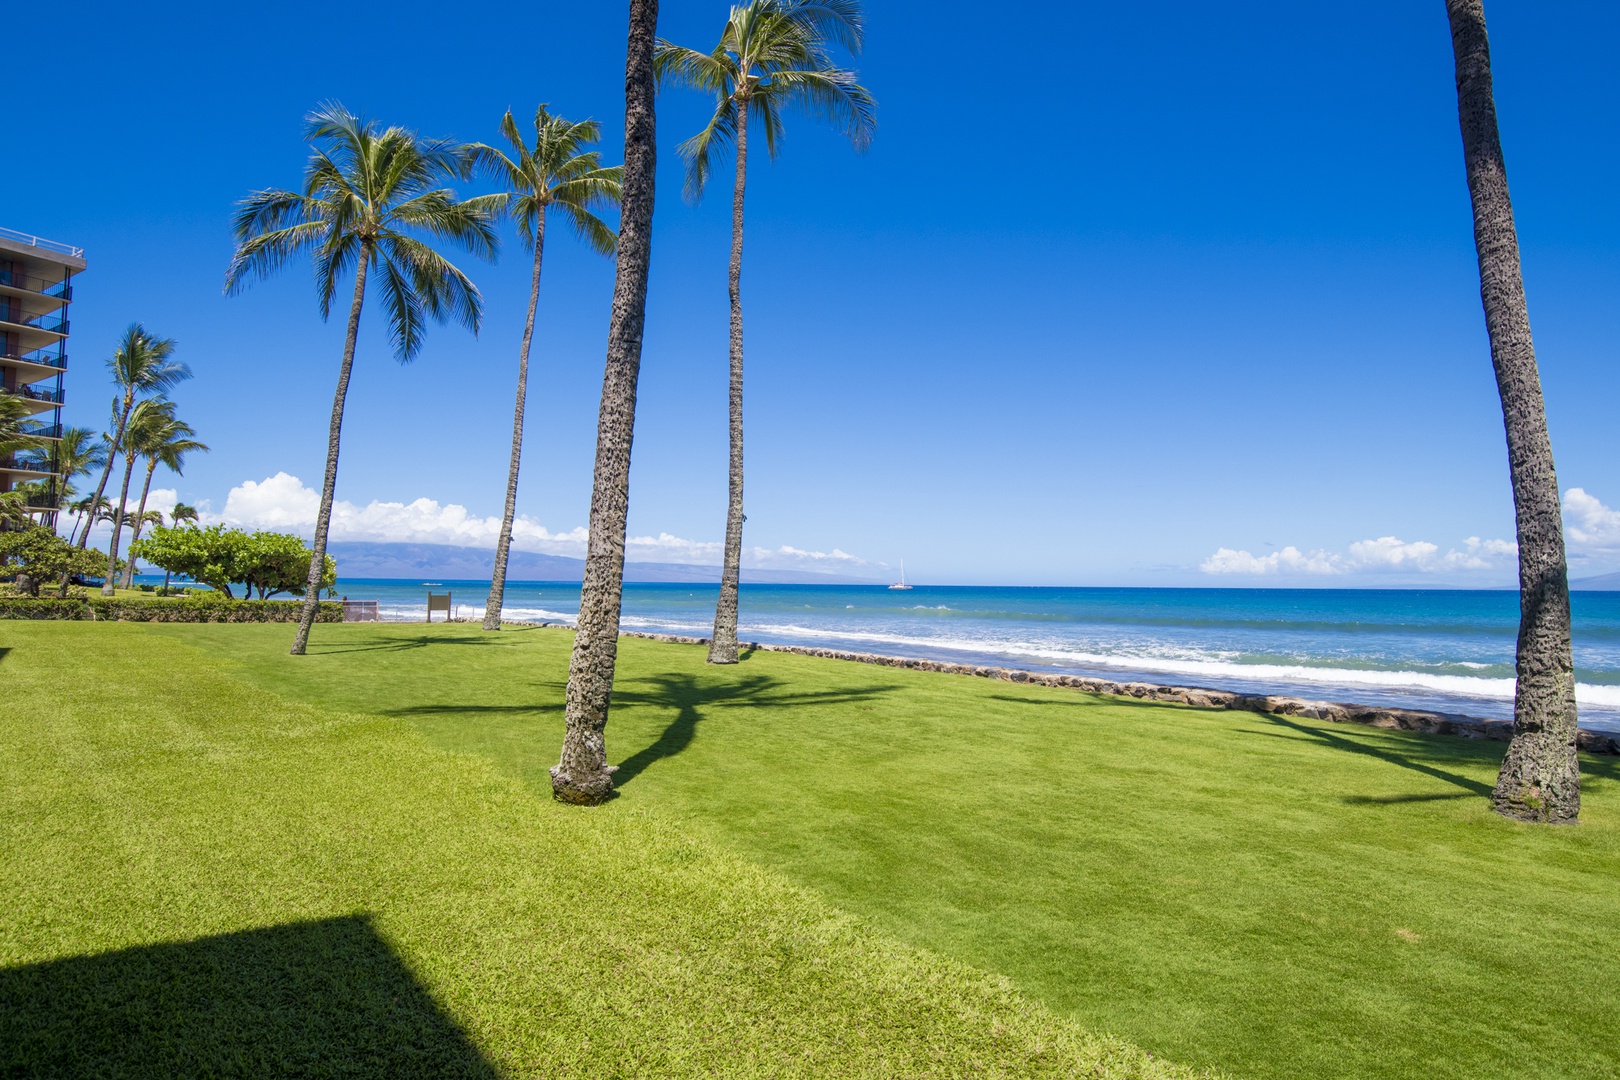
{"type": "Point", "coordinates": [1447, 650]}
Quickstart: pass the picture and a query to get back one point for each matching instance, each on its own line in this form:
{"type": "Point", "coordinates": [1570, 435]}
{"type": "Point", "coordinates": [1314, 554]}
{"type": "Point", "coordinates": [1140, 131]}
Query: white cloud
{"type": "Point", "coordinates": [1592, 528]}
{"type": "Point", "coordinates": [283, 502]}
{"type": "Point", "coordinates": [1289, 560]}
{"type": "Point", "coordinates": [1386, 554]}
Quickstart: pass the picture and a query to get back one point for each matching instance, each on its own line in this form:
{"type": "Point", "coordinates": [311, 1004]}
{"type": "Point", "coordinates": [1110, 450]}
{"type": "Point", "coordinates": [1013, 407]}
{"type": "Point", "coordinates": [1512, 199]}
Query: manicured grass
{"type": "Point", "coordinates": [200, 875]}
{"type": "Point", "coordinates": [1276, 897]}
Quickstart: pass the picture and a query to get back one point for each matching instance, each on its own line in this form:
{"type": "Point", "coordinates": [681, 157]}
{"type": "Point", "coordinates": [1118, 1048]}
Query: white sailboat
{"type": "Point", "coordinates": [901, 584]}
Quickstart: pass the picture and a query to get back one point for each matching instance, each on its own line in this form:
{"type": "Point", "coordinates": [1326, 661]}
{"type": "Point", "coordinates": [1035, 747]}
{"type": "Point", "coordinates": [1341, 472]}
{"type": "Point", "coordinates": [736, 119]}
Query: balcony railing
{"type": "Point", "coordinates": [42, 357]}
{"type": "Point", "coordinates": [34, 393]}
{"type": "Point", "coordinates": [41, 431]}
{"type": "Point", "coordinates": [48, 245]}
{"type": "Point", "coordinates": [55, 290]}
{"type": "Point", "coordinates": [27, 465]}
{"type": "Point", "coordinates": [42, 500]}
{"type": "Point", "coordinates": [56, 324]}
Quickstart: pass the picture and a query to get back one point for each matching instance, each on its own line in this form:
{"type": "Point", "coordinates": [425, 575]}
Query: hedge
{"type": "Point", "coordinates": [211, 608]}
{"type": "Point", "coordinates": [25, 607]}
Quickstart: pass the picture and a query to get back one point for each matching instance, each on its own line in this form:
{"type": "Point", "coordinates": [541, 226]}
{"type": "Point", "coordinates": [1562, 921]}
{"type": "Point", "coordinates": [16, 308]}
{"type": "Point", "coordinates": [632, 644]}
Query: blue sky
{"type": "Point", "coordinates": [1121, 294]}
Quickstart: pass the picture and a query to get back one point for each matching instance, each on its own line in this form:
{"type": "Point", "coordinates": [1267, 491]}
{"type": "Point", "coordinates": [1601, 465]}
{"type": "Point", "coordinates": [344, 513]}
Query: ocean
{"type": "Point", "coordinates": [1445, 650]}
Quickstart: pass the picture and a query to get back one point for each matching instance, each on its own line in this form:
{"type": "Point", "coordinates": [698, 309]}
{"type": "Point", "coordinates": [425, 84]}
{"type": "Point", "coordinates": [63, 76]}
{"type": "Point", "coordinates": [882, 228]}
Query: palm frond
{"type": "Point", "coordinates": [702, 150]}
{"type": "Point", "coordinates": [466, 223]}
{"type": "Point", "coordinates": [836, 20]}
{"type": "Point", "coordinates": [262, 255]}
{"type": "Point", "coordinates": [835, 96]}
{"type": "Point", "coordinates": [677, 64]}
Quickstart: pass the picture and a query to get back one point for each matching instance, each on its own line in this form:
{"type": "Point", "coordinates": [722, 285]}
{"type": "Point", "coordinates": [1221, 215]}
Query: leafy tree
{"type": "Point", "coordinates": [35, 553]}
{"type": "Point", "coordinates": [1541, 776]}
{"type": "Point", "coordinates": [142, 365]}
{"type": "Point", "coordinates": [164, 440]}
{"type": "Point", "coordinates": [224, 558]}
{"type": "Point", "coordinates": [367, 191]}
{"type": "Point", "coordinates": [582, 774]}
{"type": "Point", "coordinates": [272, 563]}
{"type": "Point", "coordinates": [557, 171]}
{"type": "Point", "coordinates": [772, 54]}
{"type": "Point", "coordinates": [182, 512]}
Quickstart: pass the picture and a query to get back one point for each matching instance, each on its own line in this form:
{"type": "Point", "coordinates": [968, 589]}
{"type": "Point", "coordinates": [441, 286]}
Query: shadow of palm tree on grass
{"type": "Point", "coordinates": [689, 696]}
{"type": "Point", "coordinates": [320, 998]}
{"type": "Point", "coordinates": [1383, 753]}
{"type": "Point", "coordinates": [394, 643]}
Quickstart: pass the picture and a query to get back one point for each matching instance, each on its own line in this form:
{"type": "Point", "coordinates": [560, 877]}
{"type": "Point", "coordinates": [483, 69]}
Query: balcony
{"type": "Point", "coordinates": [52, 290]}
{"type": "Point", "coordinates": [51, 324]}
{"type": "Point", "coordinates": [27, 465]}
{"type": "Point", "coordinates": [42, 500]}
{"type": "Point", "coordinates": [36, 357]}
{"type": "Point", "coordinates": [34, 393]}
{"type": "Point", "coordinates": [41, 431]}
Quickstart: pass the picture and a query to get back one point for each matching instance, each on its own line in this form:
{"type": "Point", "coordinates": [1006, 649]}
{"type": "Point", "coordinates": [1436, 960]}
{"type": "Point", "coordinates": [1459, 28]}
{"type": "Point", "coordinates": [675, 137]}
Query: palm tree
{"type": "Point", "coordinates": [148, 416]}
{"type": "Point", "coordinates": [79, 452]}
{"type": "Point", "coordinates": [582, 774]}
{"type": "Point", "coordinates": [557, 171]}
{"type": "Point", "coordinates": [366, 192]}
{"type": "Point", "coordinates": [141, 365]}
{"type": "Point", "coordinates": [83, 509]}
{"type": "Point", "coordinates": [772, 54]}
{"type": "Point", "coordinates": [14, 438]}
{"type": "Point", "coordinates": [165, 441]}
{"type": "Point", "coordinates": [1541, 777]}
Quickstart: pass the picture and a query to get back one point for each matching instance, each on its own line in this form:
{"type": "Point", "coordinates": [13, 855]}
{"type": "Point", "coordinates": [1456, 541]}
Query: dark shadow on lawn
{"type": "Point", "coordinates": [421, 641]}
{"type": "Point", "coordinates": [3, 653]}
{"type": "Point", "coordinates": [322, 998]}
{"type": "Point", "coordinates": [1394, 757]}
{"type": "Point", "coordinates": [1394, 800]}
{"type": "Point", "coordinates": [1087, 699]}
{"type": "Point", "coordinates": [688, 695]}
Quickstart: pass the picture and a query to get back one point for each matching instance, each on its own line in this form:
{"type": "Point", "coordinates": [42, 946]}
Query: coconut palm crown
{"type": "Point", "coordinates": [558, 170]}
{"type": "Point", "coordinates": [370, 195]}
{"type": "Point", "coordinates": [772, 54]}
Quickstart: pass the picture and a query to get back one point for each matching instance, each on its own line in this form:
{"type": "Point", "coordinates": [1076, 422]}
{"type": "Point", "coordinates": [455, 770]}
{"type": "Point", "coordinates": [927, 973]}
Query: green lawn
{"type": "Point", "coordinates": [1269, 897]}
{"type": "Point", "coordinates": [200, 876]}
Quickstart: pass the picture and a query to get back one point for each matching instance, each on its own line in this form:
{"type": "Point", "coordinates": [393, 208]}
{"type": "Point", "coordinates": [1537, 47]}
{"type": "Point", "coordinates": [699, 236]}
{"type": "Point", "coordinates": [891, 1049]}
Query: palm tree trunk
{"type": "Point", "coordinates": [107, 588]}
{"type": "Point", "coordinates": [723, 644]}
{"type": "Point", "coordinates": [106, 472]}
{"type": "Point", "coordinates": [497, 583]}
{"type": "Point", "coordinates": [140, 519]}
{"type": "Point", "coordinates": [582, 775]}
{"type": "Point", "coordinates": [317, 563]}
{"type": "Point", "coordinates": [1540, 778]}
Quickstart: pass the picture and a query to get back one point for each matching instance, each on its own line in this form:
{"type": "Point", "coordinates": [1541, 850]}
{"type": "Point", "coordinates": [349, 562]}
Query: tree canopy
{"type": "Point", "coordinates": [222, 558]}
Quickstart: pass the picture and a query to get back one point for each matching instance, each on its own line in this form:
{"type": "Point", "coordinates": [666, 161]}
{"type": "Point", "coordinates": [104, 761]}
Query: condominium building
{"type": "Point", "coordinates": [36, 288]}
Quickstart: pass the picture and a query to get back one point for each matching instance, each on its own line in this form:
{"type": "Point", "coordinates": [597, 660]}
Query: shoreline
{"type": "Point", "coordinates": [1422, 721]}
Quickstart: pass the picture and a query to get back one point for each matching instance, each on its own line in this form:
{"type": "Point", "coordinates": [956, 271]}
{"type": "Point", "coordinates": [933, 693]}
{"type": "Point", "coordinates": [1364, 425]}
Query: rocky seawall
{"type": "Point", "coordinates": [1431, 723]}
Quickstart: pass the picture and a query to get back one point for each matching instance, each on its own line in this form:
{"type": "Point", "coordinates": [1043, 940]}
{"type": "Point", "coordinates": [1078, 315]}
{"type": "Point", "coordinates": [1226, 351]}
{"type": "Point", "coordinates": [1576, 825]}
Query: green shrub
{"type": "Point", "coordinates": [47, 607]}
{"type": "Point", "coordinates": [208, 608]}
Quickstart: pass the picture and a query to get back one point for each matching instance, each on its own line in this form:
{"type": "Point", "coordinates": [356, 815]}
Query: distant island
{"type": "Point", "coordinates": [358, 559]}
{"type": "Point", "coordinates": [1601, 583]}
